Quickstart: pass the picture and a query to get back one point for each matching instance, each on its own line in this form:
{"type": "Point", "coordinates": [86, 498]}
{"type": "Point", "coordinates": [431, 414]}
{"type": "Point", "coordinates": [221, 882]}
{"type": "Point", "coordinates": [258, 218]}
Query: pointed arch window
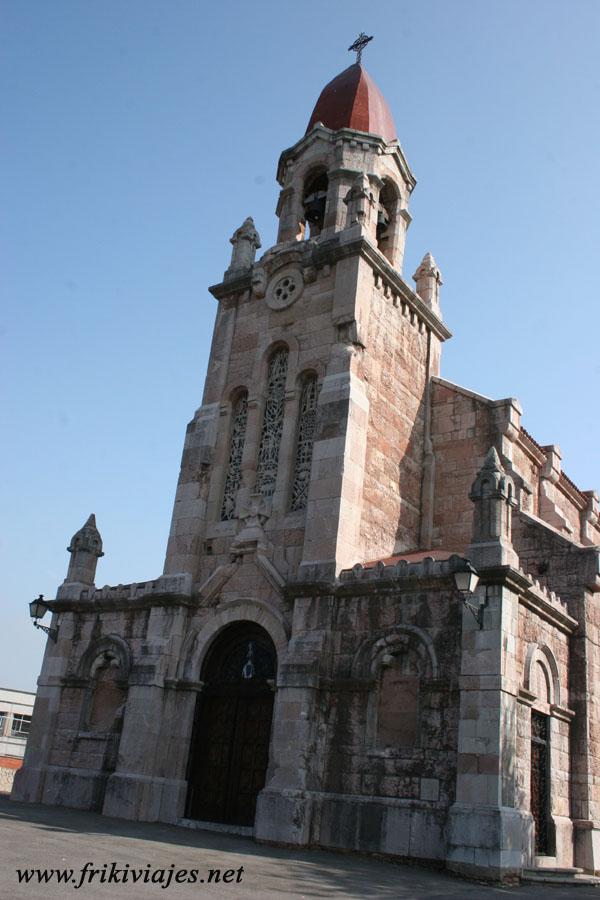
{"type": "Point", "coordinates": [304, 445]}
{"type": "Point", "coordinates": [236, 448]}
{"type": "Point", "coordinates": [270, 439]}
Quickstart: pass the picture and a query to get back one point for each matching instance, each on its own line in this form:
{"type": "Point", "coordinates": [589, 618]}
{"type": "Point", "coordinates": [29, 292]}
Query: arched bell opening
{"type": "Point", "coordinates": [385, 215]}
{"type": "Point", "coordinates": [388, 227]}
{"type": "Point", "coordinates": [229, 750]}
{"type": "Point", "coordinates": [314, 202]}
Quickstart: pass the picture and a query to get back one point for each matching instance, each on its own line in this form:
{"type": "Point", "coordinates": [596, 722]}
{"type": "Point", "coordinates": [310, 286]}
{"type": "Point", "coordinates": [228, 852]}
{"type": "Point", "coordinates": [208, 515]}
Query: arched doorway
{"type": "Point", "coordinates": [230, 740]}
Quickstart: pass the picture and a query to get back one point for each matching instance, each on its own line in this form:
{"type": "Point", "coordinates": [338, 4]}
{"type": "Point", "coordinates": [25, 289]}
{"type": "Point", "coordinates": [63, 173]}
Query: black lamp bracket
{"type": "Point", "coordinates": [51, 632]}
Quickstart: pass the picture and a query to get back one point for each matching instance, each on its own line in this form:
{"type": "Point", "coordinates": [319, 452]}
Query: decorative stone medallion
{"type": "Point", "coordinates": [285, 288]}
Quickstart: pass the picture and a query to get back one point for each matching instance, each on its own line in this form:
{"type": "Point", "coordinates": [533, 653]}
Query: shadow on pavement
{"type": "Point", "coordinates": [313, 873]}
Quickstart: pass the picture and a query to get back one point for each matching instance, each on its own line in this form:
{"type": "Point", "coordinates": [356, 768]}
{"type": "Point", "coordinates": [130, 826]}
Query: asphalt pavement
{"type": "Point", "coordinates": [98, 858]}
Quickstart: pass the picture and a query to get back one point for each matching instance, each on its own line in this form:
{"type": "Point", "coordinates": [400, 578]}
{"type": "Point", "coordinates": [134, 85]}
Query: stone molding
{"type": "Point", "coordinates": [369, 657]}
{"type": "Point", "coordinates": [168, 590]}
{"type": "Point", "coordinates": [543, 654]}
{"type": "Point", "coordinates": [321, 132]}
{"type": "Point", "coordinates": [199, 640]}
{"type": "Point", "coordinates": [317, 253]}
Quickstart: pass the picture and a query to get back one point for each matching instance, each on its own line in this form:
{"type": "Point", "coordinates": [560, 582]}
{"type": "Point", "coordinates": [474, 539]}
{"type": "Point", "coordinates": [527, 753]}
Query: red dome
{"type": "Point", "coordinates": [353, 100]}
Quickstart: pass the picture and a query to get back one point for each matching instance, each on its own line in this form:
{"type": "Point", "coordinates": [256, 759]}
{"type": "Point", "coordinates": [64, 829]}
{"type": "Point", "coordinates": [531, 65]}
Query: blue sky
{"type": "Point", "coordinates": [138, 136]}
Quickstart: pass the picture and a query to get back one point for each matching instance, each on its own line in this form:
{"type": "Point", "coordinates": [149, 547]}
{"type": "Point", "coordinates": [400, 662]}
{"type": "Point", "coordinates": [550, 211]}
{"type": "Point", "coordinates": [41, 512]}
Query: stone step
{"type": "Point", "coordinates": [570, 876]}
{"type": "Point", "coordinates": [196, 825]}
{"type": "Point", "coordinates": [556, 870]}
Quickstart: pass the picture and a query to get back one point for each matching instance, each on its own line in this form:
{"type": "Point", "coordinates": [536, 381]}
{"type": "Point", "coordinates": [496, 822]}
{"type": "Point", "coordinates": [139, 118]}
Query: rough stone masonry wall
{"type": "Point", "coordinates": [534, 630]}
{"type": "Point", "coordinates": [388, 799]}
{"type": "Point", "coordinates": [571, 571]}
{"type": "Point", "coordinates": [72, 754]}
{"type": "Point", "coordinates": [395, 371]}
{"type": "Point", "coordinates": [307, 330]}
{"type": "Point", "coordinates": [73, 746]}
{"type": "Point", "coordinates": [462, 432]}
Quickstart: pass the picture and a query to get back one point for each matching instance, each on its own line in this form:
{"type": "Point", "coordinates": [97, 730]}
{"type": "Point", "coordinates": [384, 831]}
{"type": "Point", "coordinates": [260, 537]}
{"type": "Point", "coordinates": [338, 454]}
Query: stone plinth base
{"type": "Point", "coordinates": [403, 828]}
{"type": "Point", "coordinates": [283, 817]}
{"type": "Point", "coordinates": [76, 788]}
{"type": "Point", "coordinates": [28, 785]}
{"type": "Point", "coordinates": [492, 843]}
{"type": "Point", "coordinates": [586, 841]}
{"type": "Point", "coordinates": [139, 797]}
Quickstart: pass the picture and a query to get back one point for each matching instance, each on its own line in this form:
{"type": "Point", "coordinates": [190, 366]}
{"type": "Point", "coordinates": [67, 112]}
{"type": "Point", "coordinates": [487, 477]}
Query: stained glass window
{"type": "Point", "coordinates": [304, 447]}
{"type": "Point", "coordinates": [270, 439]}
{"type": "Point", "coordinates": [236, 448]}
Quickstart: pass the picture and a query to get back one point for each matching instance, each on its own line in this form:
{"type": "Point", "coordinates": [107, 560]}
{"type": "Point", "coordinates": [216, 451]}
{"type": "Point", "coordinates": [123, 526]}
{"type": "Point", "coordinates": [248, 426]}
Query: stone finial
{"type": "Point", "coordinates": [85, 549]}
{"type": "Point", "coordinates": [428, 279]}
{"type": "Point", "coordinates": [359, 201]}
{"type": "Point", "coordinates": [245, 241]}
{"type": "Point", "coordinates": [492, 494]}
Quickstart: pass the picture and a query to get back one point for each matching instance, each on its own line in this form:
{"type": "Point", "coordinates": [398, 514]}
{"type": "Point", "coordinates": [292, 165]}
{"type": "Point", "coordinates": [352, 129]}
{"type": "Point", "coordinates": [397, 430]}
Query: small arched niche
{"type": "Point", "coordinates": [314, 202]}
{"type": "Point", "coordinates": [399, 664]}
{"type": "Point", "coordinates": [398, 690]}
{"type": "Point", "coordinates": [108, 696]}
{"type": "Point", "coordinates": [105, 666]}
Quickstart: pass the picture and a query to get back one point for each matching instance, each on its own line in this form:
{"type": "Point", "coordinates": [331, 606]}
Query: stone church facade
{"type": "Point", "coordinates": [305, 668]}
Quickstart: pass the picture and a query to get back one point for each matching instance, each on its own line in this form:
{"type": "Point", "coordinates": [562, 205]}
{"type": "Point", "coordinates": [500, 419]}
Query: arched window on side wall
{"type": "Point", "coordinates": [236, 449]}
{"type": "Point", "coordinates": [307, 417]}
{"type": "Point", "coordinates": [270, 439]}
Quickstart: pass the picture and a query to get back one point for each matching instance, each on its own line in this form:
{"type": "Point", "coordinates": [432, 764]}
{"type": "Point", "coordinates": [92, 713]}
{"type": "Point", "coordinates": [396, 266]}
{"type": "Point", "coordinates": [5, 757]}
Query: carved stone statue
{"type": "Point", "coordinates": [359, 200]}
{"type": "Point", "coordinates": [259, 282]}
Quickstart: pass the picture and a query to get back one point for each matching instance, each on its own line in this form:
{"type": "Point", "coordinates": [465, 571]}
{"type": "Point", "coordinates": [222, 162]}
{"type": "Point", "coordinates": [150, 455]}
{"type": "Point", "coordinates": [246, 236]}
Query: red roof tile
{"type": "Point", "coordinates": [415, 556]}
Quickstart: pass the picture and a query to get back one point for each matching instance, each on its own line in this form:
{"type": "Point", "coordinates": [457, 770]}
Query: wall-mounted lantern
{"type": "Point", "coordinates": [466, 580]}
{"type": "Point", "coordinates": [37, 610]}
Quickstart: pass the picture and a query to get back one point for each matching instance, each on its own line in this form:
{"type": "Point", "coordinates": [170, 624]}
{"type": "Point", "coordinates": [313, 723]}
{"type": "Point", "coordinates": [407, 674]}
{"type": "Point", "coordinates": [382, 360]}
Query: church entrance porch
{"type": "Point", "coordinates": [229, 750]}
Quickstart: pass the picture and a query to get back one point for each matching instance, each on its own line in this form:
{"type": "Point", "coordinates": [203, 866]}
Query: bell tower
{"type": "Point", "coordinates": [316, 402]}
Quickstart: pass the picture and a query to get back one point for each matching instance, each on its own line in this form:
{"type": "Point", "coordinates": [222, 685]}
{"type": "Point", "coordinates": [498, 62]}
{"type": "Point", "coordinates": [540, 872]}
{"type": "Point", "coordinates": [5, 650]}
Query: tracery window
{"type": "Point", "coordinates": [304, 446]}
{"type": "Point", "coordinates": [236, 448]}
{"type": "Point", "coordinates": [270, 439]}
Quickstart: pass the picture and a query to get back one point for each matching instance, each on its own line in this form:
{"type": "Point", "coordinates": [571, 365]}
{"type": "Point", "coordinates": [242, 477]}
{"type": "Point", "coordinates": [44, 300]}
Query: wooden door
{"type": "Point", "coordinates": [230, 744]}
{"type": "Point", "coordinates": [540, 782]}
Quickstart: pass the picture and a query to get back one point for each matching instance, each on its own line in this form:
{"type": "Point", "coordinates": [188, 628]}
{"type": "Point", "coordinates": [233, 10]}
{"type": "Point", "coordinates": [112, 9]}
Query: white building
{"type": "Point", "coordinates": [16, 708]}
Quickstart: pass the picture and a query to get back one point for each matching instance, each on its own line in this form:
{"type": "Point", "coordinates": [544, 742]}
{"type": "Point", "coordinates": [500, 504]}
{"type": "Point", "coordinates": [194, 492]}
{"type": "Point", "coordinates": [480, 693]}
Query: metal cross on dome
{"type": "Point", "coordinates": [359, 45]}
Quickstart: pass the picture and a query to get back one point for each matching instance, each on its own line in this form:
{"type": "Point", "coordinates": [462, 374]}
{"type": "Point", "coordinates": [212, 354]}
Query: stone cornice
{"type": "Point", "coordinates": [403, 575]}
{"type": "Point", "coordinates": [321, 132]}
{"type": "Point", "coordinates": [327, 252]}
{"type": "Point", "coordinates": [230, 286]}
{"type": "Point", "coordinates": [530, 447]}
{"type": "Point", "coordinates": [546, 604]}
{"type": "Point", "coordinates": [481, 398]}
{"type": "Point", "coordinates": [118, 604]}
{"type": "Point", "coordinates": [570, 490]}
{"type": "Point", "coordinates": [335, 249]}
{"type": "Point", "coordinates": [168, 590]}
